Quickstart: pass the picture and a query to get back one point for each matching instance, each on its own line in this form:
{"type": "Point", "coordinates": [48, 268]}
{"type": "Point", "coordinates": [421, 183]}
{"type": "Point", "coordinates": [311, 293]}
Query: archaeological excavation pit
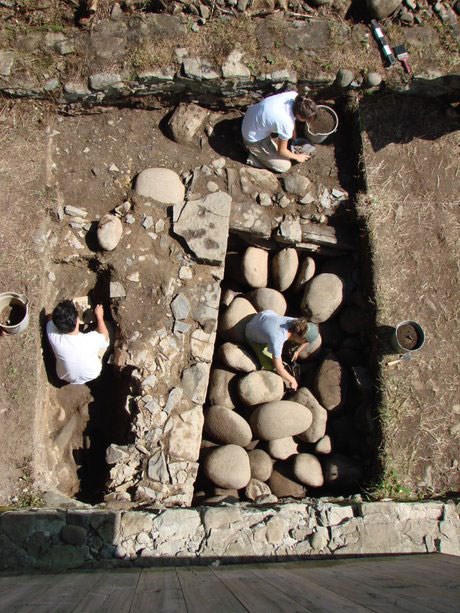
{"type": "Point", "coordinates": [196, 230]}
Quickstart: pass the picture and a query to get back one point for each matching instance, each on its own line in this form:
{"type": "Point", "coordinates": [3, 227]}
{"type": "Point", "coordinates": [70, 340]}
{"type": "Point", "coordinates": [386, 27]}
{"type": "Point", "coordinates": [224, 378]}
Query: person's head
{"type": "Point", "coordinates": [303, 330]}
{"type": "Point", "coordinates": [304, 108]}
{"type": "Point", "coordinates": [65, 316]}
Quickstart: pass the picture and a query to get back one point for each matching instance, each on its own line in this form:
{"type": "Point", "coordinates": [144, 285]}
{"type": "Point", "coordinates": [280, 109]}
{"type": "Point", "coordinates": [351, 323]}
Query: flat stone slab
{"type": "Point", "coordinates": [203, 224]}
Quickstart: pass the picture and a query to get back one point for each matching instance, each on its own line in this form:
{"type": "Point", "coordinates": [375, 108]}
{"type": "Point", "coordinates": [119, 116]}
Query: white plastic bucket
{"type": "Point", "coordinates": [321, 136]}
{"type": "Point", "coordinates": [14, 312]}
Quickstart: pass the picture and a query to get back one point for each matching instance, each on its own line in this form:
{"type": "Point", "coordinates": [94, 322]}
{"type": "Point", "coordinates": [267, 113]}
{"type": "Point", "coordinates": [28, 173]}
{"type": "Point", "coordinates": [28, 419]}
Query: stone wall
{"type": "Point", "coordinates": [78, 537]}
{"type": "Point", "coordinates": [106, 73]}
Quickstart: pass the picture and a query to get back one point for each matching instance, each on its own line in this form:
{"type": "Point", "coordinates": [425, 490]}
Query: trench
{"type": "Point", "coordinates": [345, 456]}
{"type": "Point", "coordinates": [83, 420]}
{"type": "Point", "coordinates": [83, 424]}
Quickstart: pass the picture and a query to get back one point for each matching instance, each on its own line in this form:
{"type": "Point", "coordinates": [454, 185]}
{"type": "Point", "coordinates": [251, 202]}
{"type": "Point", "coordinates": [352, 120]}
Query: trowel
{"type": "Point", "coordinates": [402, 55]}
{"type": "Point", "coordinates": [404, 358]}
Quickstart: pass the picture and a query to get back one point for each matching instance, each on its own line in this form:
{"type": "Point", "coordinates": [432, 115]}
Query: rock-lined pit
{"type": "Point", "coordinates": [262, 441]}
{"type": "Point", "coordinates": [163, 258]}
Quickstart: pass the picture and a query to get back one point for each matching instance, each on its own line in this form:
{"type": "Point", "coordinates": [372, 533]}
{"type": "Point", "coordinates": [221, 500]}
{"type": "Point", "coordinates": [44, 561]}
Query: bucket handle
{"type": "Point", "coordinates": [23, 298]}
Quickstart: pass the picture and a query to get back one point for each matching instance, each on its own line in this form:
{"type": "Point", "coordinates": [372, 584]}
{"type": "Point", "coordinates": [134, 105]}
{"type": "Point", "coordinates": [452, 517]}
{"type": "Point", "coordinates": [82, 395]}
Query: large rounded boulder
{"type": "Point", "coordinates": [266, 298]}
{"type": "Point", "coordinates": [109, 232]}
{"type": "Point", "coordinates": [306, 272]}
{"type": "Point", "coordinates": [282, 482]}
{"type": "Point", "coordinates": [254, 267]}
{"type": "Point", "coordinates": [259, 387]}
{"type": "Point", "coordinates": [341, 471]}
{"type": "Point", "coordinates": [307, 469]}
{"type": "Point", "coordinates": [282, 448]}
{"type": "Point", "coordinates": [311, 349]}
{"type": "Point", "coordinates": [226, 426]}
{"type": "Point", "coordinates": [352, 320]}
{"type": "Point", "coordinates": [324, 445]}
{"type": "Point", "coordinates": [317, 428]}
{"type": "Point", "coordinates": [160, 184]}
{"type": "Point", "coordinates": [255, 489]}
{"type": "Point", "coordinates": [228, 467]}
{"type": "Point", "coordinates": [261, 464]}
{"type": "Point", "coordinates": [284, 268]}
{"type": "Point", "coordinates": [380, 9]}
{"type": "Point", "coordinates": [232, 324]}
{"type": "Point", "coordinates": [331, 384]}
{"type": "Point", "coordinates": [237, 358]}
{"type": "Point", "coordinates": [279, 419]}
{"type": "Point", "coordinates": [222, 388]}
{"type": "Point", "coordinates": [322, 297]}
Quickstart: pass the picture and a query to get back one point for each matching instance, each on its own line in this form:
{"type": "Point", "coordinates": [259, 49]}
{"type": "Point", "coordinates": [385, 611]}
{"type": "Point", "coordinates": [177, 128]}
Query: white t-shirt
{"type": "Point", "coordinates": [273, 114]}
{"type": "Point", "coordinates": [77, 359]}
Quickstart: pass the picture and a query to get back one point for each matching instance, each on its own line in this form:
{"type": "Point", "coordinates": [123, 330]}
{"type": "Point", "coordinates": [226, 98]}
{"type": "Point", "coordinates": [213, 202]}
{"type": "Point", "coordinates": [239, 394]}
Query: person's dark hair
{"type": "Point", "coordinates": [305, 108]}
{"type": "Point", "coordinates": [299, 326]}
{"type": "Point", "coordinates": [65, 316]}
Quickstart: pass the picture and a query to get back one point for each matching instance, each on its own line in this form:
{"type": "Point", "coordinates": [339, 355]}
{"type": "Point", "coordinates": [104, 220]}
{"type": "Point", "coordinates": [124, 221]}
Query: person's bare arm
{"type": "Point", "coordinates": [279, 367]}
{"type": "Point", "coordinates": [101, 327]}
{"type": "Point", "coordinates": [285, 153]}
{"type": "Point", "coordinates": [295, 355]}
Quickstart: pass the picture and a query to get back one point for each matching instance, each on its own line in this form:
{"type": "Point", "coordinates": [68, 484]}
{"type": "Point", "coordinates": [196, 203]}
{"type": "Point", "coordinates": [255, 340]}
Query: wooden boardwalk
{"type": "Point", "coordinates": [418, 583]}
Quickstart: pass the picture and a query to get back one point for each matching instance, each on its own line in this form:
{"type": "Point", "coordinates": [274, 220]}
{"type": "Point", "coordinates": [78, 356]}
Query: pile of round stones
{"type": "Point", "coordinates": [262, 442]}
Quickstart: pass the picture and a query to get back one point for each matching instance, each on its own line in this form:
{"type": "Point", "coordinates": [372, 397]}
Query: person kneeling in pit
{"type": "Point", "coordinates": [267, 332]}
{"type": "Point", "coordinates": [275, 114]}
{"type": "Point", "coordinates": [78, 355]}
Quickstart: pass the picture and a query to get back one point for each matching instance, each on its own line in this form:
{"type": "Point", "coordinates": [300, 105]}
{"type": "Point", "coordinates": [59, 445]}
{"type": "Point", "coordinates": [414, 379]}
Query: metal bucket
{"type": "Point", "coordinates": [420, 337]}
{"type": "Point", "coordinates": [14, 312]}
{"type": "Point", "coordinates": [321, 137]}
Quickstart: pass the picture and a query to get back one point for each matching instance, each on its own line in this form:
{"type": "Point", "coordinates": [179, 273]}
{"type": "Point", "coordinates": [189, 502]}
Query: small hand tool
{"type": "Point", "coordinates": [400, 52]}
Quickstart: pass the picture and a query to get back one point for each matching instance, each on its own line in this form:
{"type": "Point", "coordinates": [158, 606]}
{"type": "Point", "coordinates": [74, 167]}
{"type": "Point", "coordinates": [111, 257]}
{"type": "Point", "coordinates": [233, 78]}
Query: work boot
{"type": "Point", "coordinates": [254, 162]}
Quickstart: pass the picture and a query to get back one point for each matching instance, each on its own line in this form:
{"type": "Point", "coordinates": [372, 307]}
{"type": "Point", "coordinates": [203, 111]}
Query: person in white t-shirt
{"type": "Point", "coordinates": [275, 114]}
{"type": "Point", "coordinates": [78, 355]}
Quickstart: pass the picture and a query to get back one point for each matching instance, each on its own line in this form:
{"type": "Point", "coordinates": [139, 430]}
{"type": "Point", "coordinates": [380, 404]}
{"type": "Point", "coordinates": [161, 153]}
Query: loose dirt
{"type": "Point", "coordinates": [12, 315]}
{"type": "Point", "coordinates": [323, 123]}
{"type": "Point", "coordinates": [407, 336]}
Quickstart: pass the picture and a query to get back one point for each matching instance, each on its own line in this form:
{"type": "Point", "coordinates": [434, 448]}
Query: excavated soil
{"type": "Point", "coordinates": [90, 161]}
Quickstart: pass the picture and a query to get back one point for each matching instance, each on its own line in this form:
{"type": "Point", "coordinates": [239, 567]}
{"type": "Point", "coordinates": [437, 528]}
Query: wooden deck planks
{"type": "Point", "coordinates": [376, 599]}
{"type": "Point", "coordinates": [159, 591]}
{"type": "Point", "coordinates": [308, 594]}
{"type": "Point", "coordinates": [421, 584]}
{"type": "Point", "coordinates": [112, 591]}
{"type": "Point", "coordinates": [416, 588]}
{"type": "Point", "coordinates": [23, 589]}
{"type": "Point", "coordinates": [255, 594]}
{"type": "Point", "coordinates": [204, 592]}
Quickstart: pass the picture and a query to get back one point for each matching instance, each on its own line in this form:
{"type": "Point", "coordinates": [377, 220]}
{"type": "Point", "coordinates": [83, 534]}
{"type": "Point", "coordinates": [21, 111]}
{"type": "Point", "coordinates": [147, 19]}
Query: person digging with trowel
{"type": "Point", "coordinates": [266, 334]}
{"type": "Point", "coordinates": [78, 355]}
{"type": "Point", "coordinates": [276, 114]}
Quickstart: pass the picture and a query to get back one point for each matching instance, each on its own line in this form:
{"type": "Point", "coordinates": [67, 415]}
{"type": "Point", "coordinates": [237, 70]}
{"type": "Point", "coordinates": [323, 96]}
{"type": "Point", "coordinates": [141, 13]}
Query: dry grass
{"type": "Point", "coordinates": [413, 219]}
{"type": "Point", "coordinates": [213, 42]}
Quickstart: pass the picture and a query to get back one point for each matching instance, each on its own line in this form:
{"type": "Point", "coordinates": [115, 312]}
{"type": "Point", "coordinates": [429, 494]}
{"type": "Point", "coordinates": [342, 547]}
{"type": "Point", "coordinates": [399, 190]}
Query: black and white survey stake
{"type": "Point", "coordinates": [382, 42]}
